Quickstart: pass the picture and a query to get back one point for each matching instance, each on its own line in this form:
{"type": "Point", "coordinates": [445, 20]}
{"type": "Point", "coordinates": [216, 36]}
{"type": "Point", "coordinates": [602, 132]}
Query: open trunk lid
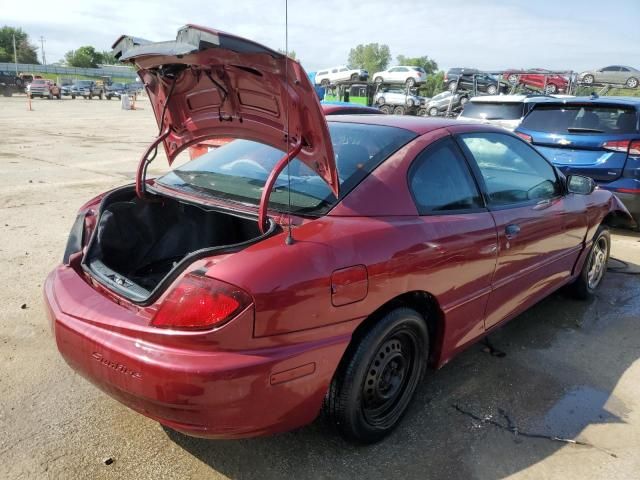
{"type": "Point", "coordinates": [208, 84]}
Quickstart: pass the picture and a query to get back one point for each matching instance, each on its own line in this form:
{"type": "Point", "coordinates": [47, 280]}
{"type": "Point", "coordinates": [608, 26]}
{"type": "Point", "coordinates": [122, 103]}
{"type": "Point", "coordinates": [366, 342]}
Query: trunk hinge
{"type": "Point", "coordinates": [271, 180]}
{"type": "Point", "coordinates": [141, 173]}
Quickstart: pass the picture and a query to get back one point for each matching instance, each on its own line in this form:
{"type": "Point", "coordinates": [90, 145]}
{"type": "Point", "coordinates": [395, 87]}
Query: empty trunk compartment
{"type": "Point", "coordinates": [141, 245]}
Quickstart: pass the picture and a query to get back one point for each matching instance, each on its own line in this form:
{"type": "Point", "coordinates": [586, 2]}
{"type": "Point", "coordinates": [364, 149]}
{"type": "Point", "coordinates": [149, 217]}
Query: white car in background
{"type": "Point", "coordinates": [398, 96]}
{"type": "Point", "coordinates": [408, 75]}
{"type": "Point", "coordinates": [341, 73]}
{"type": "Point", "coordinates": [505, 111]}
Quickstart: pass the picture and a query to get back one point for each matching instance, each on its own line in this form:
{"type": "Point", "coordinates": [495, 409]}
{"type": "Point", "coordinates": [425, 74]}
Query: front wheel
{"type": "Point", "coordinates": [550, 89]}
{"type": "Point", "coordinates": [492, 89]}
{"type": "Point", "coordinates": [378, 80]}
{"type": "Point", "coordinates": [410, 82]}
{"type": "Point", "coordinates": [588, 79]}
{"type": "Point", "coordinates": [378, 376]}
{"type": "Point", "coordinates": [595, 266]}
{"type": "Point", "coordinates": [433, 112]}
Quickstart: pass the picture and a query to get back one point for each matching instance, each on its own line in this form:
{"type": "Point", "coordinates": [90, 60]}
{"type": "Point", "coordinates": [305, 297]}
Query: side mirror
{"type": "Point", "coordinates": [580, 185]}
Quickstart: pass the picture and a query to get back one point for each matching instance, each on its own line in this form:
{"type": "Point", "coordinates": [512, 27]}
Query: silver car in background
{"type": "Point", "coordinates": [616, 74]}
{"type": "Point", "coordinates": [398, 96]}
{"type": "Point", "coordinates": [444, 101]}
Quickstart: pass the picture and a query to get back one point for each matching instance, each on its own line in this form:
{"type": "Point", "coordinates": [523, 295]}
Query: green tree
{"type": "Point", "coordinates": [430, 66]}
{"type": "Point", "coordinates": [292, 54]}
{"type": "Point", "coordinates": [107, 58]}
{"type": "Point", "coordinates": [372, 57]}
{"type": "Point", "coordinates": [433, 85]}
{"type": "Point", "coordinates": [83, 57]}
{"type": "Point", "coordinates": [27, 53]}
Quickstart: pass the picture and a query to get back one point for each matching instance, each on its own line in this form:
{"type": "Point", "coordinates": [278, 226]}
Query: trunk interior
{"type": "Point", "coordinates": [140, 244]}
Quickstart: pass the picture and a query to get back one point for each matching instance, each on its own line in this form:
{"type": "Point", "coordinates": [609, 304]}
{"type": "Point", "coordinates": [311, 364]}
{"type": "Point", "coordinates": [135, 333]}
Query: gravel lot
{"type": "Point", "coordinates": [571, 368]}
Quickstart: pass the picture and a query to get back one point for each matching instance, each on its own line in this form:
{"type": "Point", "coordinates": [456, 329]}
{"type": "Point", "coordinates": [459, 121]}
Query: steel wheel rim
{"type": "Point", "coordinates": [391, 377]}
{"type": "Point", "coordinates": [597, 263]}
{"type": "Point", "coordinates": [632, 83]}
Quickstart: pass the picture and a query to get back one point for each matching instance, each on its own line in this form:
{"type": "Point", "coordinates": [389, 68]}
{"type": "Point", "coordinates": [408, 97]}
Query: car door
{"type": "Point", "coordinates": [540, 233]}
{"type": "Point", "coordinates": [333, 75]}
{"type": "Point", "coordinates": [608, 74]}
{"type": "Point", "coordinates": [456, 241]}
{"type": "Point", "coordinates": [623, 75]}
{"type": "Point", "coordinates": [343, 74]}
{"type": "Point", "coordinates": [389, 75]}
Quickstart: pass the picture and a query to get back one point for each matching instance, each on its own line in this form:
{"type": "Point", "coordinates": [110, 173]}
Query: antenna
{"type": "Point", "coordinates": [289, 239]}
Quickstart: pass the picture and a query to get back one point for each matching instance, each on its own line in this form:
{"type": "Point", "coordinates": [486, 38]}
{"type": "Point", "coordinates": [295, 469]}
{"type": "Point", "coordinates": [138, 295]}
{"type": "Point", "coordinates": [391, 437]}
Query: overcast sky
{"type": "Point", "coordinates": [488, 34]}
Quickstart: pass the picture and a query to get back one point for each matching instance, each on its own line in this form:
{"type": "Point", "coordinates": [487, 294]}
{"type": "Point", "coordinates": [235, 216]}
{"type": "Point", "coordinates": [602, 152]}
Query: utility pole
{"type": "Point", "coordinates": [15, 53]}
{"type": "Point", "coordinates": [44, 57]}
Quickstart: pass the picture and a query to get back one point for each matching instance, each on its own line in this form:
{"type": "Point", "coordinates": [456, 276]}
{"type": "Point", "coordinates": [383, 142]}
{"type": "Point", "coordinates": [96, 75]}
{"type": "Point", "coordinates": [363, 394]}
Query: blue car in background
{"type": "Point", "coordinates": [598, 137]}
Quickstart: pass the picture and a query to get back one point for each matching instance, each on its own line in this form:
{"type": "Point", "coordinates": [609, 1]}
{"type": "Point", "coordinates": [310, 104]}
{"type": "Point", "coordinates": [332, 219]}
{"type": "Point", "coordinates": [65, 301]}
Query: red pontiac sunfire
{"type": "Point", "coordinates": [331, 265]}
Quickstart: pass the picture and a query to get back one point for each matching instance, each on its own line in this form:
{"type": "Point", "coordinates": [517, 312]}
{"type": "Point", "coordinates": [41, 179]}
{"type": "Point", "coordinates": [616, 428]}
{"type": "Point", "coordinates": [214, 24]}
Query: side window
{"type": "Point", "coordinates": [440, 180]}
{"type": "Point", "coordinates": [513, 172]}
{"type": "Point", "coordinates": [624, 69]}
{"type": "Point", "coordinates": [391, 70]}
{"type": "Point", "coordinates": [402, 69]}
{"type": "Point", "coordinates": [335, 70]}
{"type": "Point", "coordinates": [344, 70]}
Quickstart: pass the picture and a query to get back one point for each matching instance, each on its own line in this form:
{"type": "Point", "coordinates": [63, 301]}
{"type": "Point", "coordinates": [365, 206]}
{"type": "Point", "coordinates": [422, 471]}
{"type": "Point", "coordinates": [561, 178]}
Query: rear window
{"type": "Point", "coordinates": [38, 82]}
{"type": "Point", "coordinates": [419, 69]}
{"type": "Point", "coordinates": [238, 170]}
{"type": "Point", "coordinates": [493, 111]}
{"type": "Point", "coordinates": [578, 119]}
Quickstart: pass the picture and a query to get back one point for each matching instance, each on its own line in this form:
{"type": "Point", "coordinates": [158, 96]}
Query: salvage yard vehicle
{"type": "Point", "coordinates": [87, 89]}
{"type": "Point", "coordinates": [398, 97]}
{"type": "Point", "coordinates": [115, 90]}
{"type": "Point", "coordinates": [10, 83]}
{"type": "Point", "coordinates": [594, 136]}
{"type": "Point", "coordinates": [43, 88]}
{"type": "Point", "coordinates": [407, 75]}
{"type": "Point", "coordinates": [312, 260]}
{"type": "Point", "coordinates": [538, 78]}
{"type": "Point", "coordinates": [340, 73]}
{"type": "Point", "coordinates": [471, 79]}
{"type": "Point", "coordinates": [505, 111]}
{"type": "Point", "coordinates": [444, 102]}
{"type": "Point", "coordinates": [614, 74]}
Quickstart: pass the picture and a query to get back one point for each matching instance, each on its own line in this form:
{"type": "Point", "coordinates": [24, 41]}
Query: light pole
{"type": "Point", "coordinates": [15, 54]}
{"type": "Point", "coordinates": [44, 57]}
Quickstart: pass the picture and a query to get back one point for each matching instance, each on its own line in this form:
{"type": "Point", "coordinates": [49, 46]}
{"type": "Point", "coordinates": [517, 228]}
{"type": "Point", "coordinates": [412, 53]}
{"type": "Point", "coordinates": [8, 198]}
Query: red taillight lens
{"type": "Point", "coordinates": [634, 147]}
{"type": "Point", "coordinates": [616, 145]}
{"type": "Point", "coordinates": [525, 137]}
{"type": "Point", "coordinates": [200, 302]}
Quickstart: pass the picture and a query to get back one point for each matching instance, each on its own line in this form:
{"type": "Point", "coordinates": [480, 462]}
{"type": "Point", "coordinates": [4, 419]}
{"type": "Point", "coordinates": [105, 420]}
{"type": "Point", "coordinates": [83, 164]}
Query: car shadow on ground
{"type": "Point", "coordinates": [483, 415]}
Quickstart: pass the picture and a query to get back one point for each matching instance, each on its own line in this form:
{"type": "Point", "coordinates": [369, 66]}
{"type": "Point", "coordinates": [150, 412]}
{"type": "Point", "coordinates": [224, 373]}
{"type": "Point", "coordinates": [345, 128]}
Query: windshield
{"type": "Point", "coordinates": [493, 111]}
{"type": "Point", "coordinates": [581, 119]}
{"type": "Point", "coordinates": [238, 170]}
{"type": "Point", "coordinates": [83, 83]}
{"type": "Point", "coordinates": [117, 85]}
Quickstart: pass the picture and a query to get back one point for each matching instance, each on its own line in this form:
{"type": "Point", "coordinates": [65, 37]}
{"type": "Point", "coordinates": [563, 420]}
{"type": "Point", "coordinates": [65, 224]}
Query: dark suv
{"type": "Point", "coordinates": [87, 89]}
{"type": "Point", "coordinates": [457, 79]}
{"type": "Point", "coordinates": [10, 83]}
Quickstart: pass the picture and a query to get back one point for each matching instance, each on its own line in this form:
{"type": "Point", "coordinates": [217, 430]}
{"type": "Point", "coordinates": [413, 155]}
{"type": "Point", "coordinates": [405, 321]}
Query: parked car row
{"type": "Point", "coordinates": [401, 74]}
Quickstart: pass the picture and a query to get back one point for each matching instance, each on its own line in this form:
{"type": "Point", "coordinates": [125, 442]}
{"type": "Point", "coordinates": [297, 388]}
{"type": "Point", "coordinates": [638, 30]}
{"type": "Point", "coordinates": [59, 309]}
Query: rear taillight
{"type": "Point", "coordinates": [634, 147]}
{"type": "Point", "coordinates": [200, 302]}
{"type": "Point", "coordinates": [616, 145]}
{"type": "Point", "coordinates": [525, 137]}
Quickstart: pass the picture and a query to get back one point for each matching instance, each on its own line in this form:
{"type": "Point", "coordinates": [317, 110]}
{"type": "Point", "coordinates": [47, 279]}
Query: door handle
{"type": "Point", "coordinates": [512, 230]}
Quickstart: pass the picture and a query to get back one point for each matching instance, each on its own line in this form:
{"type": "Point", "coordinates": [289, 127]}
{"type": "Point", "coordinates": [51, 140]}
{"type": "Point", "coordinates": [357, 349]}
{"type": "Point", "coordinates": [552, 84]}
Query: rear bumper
{"type": "Point", "coordinates": [175, 379]}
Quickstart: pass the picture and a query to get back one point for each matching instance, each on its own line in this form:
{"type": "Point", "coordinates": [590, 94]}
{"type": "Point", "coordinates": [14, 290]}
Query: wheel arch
{"type": "Point", "coordinates": [422, 302]}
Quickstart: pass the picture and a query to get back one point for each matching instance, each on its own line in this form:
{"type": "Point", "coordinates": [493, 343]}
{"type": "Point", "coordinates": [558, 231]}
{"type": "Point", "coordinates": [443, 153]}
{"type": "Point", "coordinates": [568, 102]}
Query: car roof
{"type": "Point", "coordinates": [418, 125]}
{"type": "Point", "coordinates": [605, 100]}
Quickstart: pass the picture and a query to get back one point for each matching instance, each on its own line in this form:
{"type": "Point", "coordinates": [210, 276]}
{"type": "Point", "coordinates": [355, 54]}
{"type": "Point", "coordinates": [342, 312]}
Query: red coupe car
{"type": "Point", "coordinates": [538, 78]}
{"type": "Point", "coordinates": [311, 261]}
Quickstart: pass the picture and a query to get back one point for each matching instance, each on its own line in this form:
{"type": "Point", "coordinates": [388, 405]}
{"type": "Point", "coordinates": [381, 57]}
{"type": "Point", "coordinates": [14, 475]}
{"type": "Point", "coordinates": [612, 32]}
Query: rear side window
{"type": "Point", "coordinates": [513, 172]}
{"type": "Point", "coordinates": [578, 119]}
{"type": "Point", "coordinates": [494, 111]}
{"type": "Point", "coordinates": [440, 180]}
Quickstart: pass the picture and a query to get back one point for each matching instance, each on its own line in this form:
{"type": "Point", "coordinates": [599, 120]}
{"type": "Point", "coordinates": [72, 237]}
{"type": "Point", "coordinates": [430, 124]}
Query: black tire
{"type": "Point", "coordinates": [410, 82]}
{"type": "Point", "coordinates": [588, 79]}
{"type": "Point", "coordinates": [632, 82]}
{"type": "Point", "coordinates": [492, 89]}
{"type": "Point", "coordinates": [595, 266]}
{"type": "Point", "coordinates": [90, 97]}
{"type": "Point", "coordinates": [73, 97]}
{"type": "Point", "coordinates": [378, 376]}
{"type": "Point", "coordinates": [386, 109]}
{"type": "Point", "coordinates": [422, 112]}
{"type": "Point", "coordinates": [464, 100]}
{"type": "Point", "coordinates": [379, 80]}
{"type": "Point", "coordinates": [59, 96]}
{"type": "Point", "coordinates": [551, 88]}
{"type": "Point", "coordinates": [410, 102]}
{"type": "Point", "coordinates": [19, 82]}
{"type": "Point", "coordinates": [452, 86]}
{"type": "Point", "coordinates": [433, 112]}
{"type": "Point", "coordinates": [513, 79]}
{"type": "Point", "coordinates": [355, 77]}
{"type": "Point", "coordinates": [380, 101]}
{"type": "Point", "coordinates": [399, 110]}
{"type": "Point", "coordinates": [324, 82]}
{"type": "Point", "coordinates": [108, 97]}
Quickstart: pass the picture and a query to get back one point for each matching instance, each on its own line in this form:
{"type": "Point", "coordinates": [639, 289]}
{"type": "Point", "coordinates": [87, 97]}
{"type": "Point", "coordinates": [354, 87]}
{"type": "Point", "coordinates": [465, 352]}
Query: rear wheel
{"type": "Point", "coordinates": [632, 82]}
{"type": "Point", "coordinates": [378, 376]}
{"type": "Point", "coordinates": [324, 82]}
{"type": "Point", "coordinates": [551, 89]}
{"type": "Point", "coordinates": [433, 111]}
{"type": "Point", "coordinates": [512, 79]}
{"type": "Point", "coordinates": [492, 89]}
{"type": "Point", "coordinates": [354, 77]}
{"type": "Point", "coordinates": [422, 112]}
{"type": "Point", "coordinates": [595, 266]}
{"type": "Point", "coordinates": [380, 101]}
{"type": "Point", "coordinates": [410, 82]}
{"type": "Point", "coordinates": [588, 79]}
{"type": "Point", "coordinates": [378, 80]}
{"type": "Point", "coordinates": [464, 100]}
